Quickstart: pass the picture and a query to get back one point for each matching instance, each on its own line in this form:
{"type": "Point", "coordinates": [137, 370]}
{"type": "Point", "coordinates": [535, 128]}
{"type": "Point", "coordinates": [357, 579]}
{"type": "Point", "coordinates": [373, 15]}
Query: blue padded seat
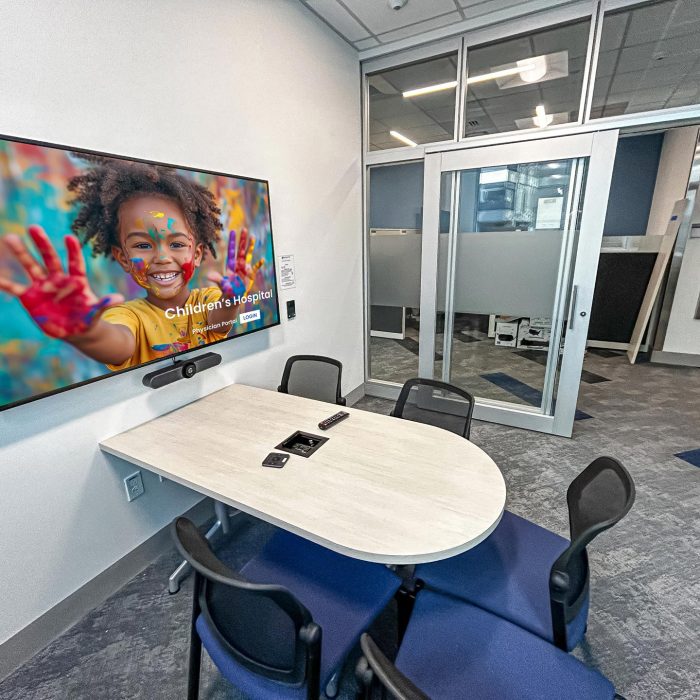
{"type": "Point", "coordinates": [508, 575]}
{"type": "Point", "coordinates": [454, 650]}
{"type": "Point", "coordinates": [343, 595]}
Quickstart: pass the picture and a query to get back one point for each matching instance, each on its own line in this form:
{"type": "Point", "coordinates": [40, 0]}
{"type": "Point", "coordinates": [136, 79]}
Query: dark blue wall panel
{"type": "Point", "coordinates": [632, 188]}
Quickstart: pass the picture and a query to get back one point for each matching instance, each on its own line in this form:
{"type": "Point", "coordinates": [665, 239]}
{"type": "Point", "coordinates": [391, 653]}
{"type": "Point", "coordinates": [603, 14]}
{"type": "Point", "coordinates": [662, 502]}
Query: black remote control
{"type": "Point", "coordinates": [335, 418]}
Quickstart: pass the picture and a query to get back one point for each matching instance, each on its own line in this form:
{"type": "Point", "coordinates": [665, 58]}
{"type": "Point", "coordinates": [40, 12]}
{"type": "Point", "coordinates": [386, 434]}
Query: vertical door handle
{"type": "Point", "coordinates": [572, 307]}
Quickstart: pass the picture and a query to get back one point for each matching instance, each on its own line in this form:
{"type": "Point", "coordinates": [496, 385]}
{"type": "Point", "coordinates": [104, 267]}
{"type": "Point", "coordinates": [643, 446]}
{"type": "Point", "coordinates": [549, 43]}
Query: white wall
{"type": "Point", "coordinates": [672, 176]}
{"type": "Point", "coordinates": [683, 332]}
{"type": "Point", "coordinates": [252, 87]}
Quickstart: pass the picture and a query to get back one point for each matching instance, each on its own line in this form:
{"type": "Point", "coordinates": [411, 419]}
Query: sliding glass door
{"type": "Point", "coordinates": [511, 236]}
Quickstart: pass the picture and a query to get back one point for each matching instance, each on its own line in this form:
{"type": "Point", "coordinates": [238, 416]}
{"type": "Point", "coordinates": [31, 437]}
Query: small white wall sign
{"type": "Point", "coordinates": [287, 273]}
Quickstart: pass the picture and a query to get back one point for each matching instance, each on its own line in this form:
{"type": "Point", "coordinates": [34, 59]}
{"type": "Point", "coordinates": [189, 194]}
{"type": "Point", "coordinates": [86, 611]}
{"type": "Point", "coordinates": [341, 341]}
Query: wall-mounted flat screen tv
{"type": "Point", "coordinates": [109, 263]}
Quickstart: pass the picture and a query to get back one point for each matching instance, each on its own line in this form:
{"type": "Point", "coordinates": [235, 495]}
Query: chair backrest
{"type": "Point", "coordinates": [314, 377]}
{"type": "Point", "coordinates": [263, 627]}
{"type": "Point", "coordinates": [436, 403]}
{"type": "Point", "coordinates": [374, 665]}
{"type": "Point", "coordinates": [600, 496]}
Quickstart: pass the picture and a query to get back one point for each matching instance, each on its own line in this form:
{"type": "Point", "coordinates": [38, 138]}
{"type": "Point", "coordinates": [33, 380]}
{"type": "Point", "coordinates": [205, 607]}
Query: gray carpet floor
{"type": "Point", "coordinates": [474, 358]}
{"type": "Point", "coordinates": [644, 627]}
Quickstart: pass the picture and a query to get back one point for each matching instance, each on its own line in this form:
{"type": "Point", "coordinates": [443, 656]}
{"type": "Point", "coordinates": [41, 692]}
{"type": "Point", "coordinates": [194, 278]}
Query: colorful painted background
{"type": "Point", "coordinates": [33, 190]}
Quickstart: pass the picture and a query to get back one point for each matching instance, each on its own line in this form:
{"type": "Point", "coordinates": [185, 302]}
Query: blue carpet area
{"type": "Point", "coordinates": [522, 391]}
{"type": "Point", "coordinates": [691, 456]}
{"type": "Point", "coordinates": [541, 359]}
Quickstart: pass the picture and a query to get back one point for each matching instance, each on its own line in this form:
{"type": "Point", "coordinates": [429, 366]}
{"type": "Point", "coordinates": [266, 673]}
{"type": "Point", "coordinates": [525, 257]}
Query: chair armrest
{"type": "Point", "coordinates": [387, 674]}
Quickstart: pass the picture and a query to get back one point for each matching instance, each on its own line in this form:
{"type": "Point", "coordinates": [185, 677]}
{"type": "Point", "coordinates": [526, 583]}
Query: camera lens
{"type": "Point", "coordinates": [189, 370]}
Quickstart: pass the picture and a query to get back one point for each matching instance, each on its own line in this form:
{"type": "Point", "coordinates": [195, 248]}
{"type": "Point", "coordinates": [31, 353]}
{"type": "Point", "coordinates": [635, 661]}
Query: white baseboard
{"type": "Point", "coordinates": [355, 395]}
{"type": "Point", "coordinates": [35, 636]}
{"type": "Point", "coordinates": [679, 359]}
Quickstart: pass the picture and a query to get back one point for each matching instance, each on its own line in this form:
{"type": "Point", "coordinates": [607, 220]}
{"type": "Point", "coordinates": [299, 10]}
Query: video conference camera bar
{"type": "Point", "coordinates": [181, 369]}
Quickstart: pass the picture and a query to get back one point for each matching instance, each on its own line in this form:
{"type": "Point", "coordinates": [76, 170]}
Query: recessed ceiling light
{"type": "Point", "coordinates": [403, 138]}
{"type": "Point", "coordinates": [554, 166]}
{"type": "Point", "coordinates": [541, 118]}
{"type": "Point", "coordinates": [505, 72]}
{"type": "Point", "coordinates": [430, 88]}
{"type": "Point", "coordinates": [532, 70]}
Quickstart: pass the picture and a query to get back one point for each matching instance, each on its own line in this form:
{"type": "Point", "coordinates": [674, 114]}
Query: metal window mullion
{"type": "Point", "coordinates": [462, 95]}
{"type": "Point", "coordinates": [592, 63]}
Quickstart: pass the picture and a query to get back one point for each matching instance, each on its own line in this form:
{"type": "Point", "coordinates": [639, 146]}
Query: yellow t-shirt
{"type": "Point", "coordinates": [159, 336]}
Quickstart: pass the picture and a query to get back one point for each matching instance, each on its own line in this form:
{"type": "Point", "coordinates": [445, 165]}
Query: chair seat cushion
{"type": "Point", "coordinates": [453, 650]}
{"type": "Point", "coordinates": [252, 684]}
{"type": "Point", "coordinates": [508, 574]}
{"type": "Point", "coordinates": [343, 595]}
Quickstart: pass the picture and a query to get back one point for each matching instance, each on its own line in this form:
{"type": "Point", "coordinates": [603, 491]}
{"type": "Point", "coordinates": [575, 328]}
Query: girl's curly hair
{"type": "Point", "coordinates": [109, 182]}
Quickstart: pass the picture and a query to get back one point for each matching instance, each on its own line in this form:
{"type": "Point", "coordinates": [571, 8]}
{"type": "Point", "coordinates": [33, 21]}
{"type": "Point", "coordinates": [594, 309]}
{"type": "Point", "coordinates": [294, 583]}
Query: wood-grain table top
{"type": "Point", "coordinates": [380, 489]}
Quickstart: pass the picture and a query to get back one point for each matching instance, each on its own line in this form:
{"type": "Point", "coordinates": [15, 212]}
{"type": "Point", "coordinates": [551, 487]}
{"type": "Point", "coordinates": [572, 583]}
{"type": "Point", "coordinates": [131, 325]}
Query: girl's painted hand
{"type": "Point", "coordinates": [61, 303]}
{"type": "Point", "coordinates": [240, 270]}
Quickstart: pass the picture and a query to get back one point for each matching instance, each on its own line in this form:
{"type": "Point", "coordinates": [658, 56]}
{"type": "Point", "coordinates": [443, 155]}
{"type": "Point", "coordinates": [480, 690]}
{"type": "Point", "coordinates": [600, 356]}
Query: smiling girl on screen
{"type": "Point", "coordinates": [158, 226]}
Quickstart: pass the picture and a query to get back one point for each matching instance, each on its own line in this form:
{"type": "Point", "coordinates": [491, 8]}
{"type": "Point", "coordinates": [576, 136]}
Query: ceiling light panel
{"type": "Point", "coordinates": [428, 89]}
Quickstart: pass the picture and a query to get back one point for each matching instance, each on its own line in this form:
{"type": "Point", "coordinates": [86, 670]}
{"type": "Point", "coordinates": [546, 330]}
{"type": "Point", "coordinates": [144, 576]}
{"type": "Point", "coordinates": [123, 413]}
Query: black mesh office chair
{"type": "Point", "coordinates": [314, 377]}
{"type": "Point", "coordinates": [281, 627]}
{"type": "Point", "coordinates": [531, 576]}
{"type": "Point", "coordinates": [599, 497]}
{"type": "Point", "coordinates": [418, 402]}
{"type": "Point", "coordinates": [256, 628]}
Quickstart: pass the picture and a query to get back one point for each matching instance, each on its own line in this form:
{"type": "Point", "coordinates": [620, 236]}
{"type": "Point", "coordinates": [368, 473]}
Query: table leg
{"type": "Point", "coordinates": [223, 523]}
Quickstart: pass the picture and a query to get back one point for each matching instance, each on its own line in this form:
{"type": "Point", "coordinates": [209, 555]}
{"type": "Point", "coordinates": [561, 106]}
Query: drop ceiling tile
{"type": "Point", "coordinates": [406, 121]}
{"type": "Point", "coordinates": [614, 30]}
{"type": "Point", "coordinates": [484, 58]}
{"type": "Point", "coordinates": [425, 134]}
{"type": "Point", "coordinates": [439, 70]}
{"type": "Point", "coordinates": [572, 38]}
{"type": "Point", "coordinates": [484, 7]}
{"type": "Point", "coordinates": [646, 22]}
{"type": "Point", "coordinates": [683, 28]}
{"type": "Point", "coordinates": [635, 58]}
{"type": "Point", "coordinates": [654, 94]}
{"type": "Point", "coordinates": [380, 18]}
{"type": "Point", "coordinates": [689, 44]}
{"type": "Point", "coordinates": [687, 11]}
{"type": "Point", "coordinates": [627, 82]}
{"type": "Point", "coordinates": [425, 26]}
{"type": "Point", "coordinates": [339, 18]}
{"type": "Point", "coordinates": [602, 85]}
{"type": "Point", "coordinates": [606, 63]}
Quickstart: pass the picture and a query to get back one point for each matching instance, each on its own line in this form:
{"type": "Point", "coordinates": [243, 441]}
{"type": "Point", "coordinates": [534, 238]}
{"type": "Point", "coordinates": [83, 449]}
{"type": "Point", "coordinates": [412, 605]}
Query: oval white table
{"type": "Point", "coordinates": [380, 489]}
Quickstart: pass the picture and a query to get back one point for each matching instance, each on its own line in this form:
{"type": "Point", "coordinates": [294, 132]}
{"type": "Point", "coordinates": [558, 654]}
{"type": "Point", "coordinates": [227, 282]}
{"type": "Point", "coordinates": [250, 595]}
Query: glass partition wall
{"type": "Point", "coordinates": [498, 276]}
{"type": "Point", "coordinates": [583, 69]}
{"type": "Point", "coordinates": [526, 82]}
{"type": "Point", "coordinates": [395, 209]}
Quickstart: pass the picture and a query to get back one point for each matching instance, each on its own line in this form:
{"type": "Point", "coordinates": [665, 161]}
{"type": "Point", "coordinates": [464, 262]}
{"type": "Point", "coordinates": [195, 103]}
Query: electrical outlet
{"type": "Point", "coordinates": [134, 486]}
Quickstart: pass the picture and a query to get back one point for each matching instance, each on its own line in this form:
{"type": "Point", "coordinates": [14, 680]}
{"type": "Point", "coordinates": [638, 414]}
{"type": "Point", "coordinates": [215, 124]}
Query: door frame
{"type": "Point", "coordinates": [574, 276]}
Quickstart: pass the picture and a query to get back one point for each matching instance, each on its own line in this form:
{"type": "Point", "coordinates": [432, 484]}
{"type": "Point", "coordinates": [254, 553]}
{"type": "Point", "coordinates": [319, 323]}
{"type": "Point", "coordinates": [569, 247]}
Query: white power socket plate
{"type": "Point", "coordinates": [134, 486]}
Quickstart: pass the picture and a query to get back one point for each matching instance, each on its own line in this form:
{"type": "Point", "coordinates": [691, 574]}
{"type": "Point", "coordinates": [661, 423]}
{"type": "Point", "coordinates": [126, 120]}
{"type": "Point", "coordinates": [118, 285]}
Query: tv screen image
{"type": "Point", "coordinates": [107, 264]}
